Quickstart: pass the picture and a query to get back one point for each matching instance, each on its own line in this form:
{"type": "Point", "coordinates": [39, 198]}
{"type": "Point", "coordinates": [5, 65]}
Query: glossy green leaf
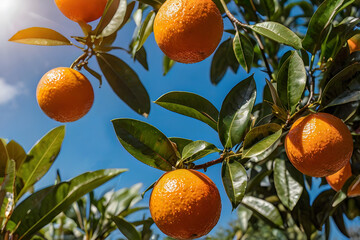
{"type": "Point", "coordinates": [291, 81]}
{"type": "Point", "coordinates": [113, 19]}
{"type": "Point", "coordinates": [235, 112]}
{"type": "Point", "coordinates": [180, 143]}
{"type": "Point", "coordinates": [7, 191]}
{"type": "Point", "coordinates": [40, 158]}
{"type": "Point", "coordinates": [338, 84]}
{"type": "Point", "coordinates": [244, 215]}
{"type": "Point", "coordinates": [244, 51]}
{"type": "Point", "coordinates": [191, 105]}
{"type": "Point", "coordinates": [40, 36]}
{"type": "Point", "coordinates": [277, 32]}
{"type": "Point", "coordinates": [198, 149]}
{"type": "Point", "coordinates": [41, 207]}
{"type": "Point", "coordinates": [234, 178]}
{"type": "Point", "coordinates": [224, 58]}
{"type": "Point", "coordinates": [126, 228]}
{"type": "Point", "coordinates": [4, 157]}
{"type": "Point", "coordinates": [167, 64]}
{"type": "Point", "coordinates": [259, 139]}
{"type": "Point", "coordinates": [125, 83]}
{"type": "Point", "coordinates": [351, 94]}
{"type": "Point", "coordinates": [146, 29]}
{"type": "Point", "coordinates": [263, 209]}
{"type": "Point", "coordinates": [287, 183]}
{"type": "Point", "coordinates": [146, 143]}
{"type": "Point", "coordinates": [16, 153]}
{"type": "Point", "coordinates": [318, 24]}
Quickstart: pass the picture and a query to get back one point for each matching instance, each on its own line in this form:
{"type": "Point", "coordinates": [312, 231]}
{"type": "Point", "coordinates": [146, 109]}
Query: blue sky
{"type": "Point", "coordinates": [91, 143]}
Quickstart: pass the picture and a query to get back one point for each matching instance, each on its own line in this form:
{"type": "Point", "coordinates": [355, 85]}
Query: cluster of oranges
{"type": "Point", "coordinates": [321, 145]}
{"type": "Point", "coordinates": [188, 31]}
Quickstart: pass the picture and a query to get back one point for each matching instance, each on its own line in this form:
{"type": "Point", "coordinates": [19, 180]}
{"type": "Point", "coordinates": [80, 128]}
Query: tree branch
{"type": "Point", "coordinates": [209, 164]}
{"type": "Point", "coordinates": [233, 19]}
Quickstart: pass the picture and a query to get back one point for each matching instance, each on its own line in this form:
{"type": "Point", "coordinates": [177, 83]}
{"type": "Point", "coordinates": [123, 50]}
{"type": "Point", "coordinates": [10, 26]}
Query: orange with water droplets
{"type": "Point", "coordinates": [81, 10]}
{"type": "Point", "coordinates": [319, 144]}
{"type": "Point", "coordinates": [185, 204]}
{"type": "Point", "coordinates": [188, 31]}
{"type": "Point", "coordinates": [64, 94]}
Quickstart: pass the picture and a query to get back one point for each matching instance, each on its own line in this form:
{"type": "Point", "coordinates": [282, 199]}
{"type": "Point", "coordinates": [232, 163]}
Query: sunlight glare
{"type": "Point", "coordinates": [7, 9]}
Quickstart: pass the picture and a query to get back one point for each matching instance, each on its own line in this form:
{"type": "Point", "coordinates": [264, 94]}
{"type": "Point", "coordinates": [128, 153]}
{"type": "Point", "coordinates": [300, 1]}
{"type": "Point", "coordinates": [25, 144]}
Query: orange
{"type": "Point", "coordinates": [354, 43]}
{"type": "Point", "coordinates": [81, 10]}
{"type": "Point", "coordinates": [319, 144]}
{"type": "Point", "coordinates": [188, 31]}
{"type": "Point", "coordinates": [338, 179]}
{"type": "Point", "coordinates": [185, 204]}
{"type": "Point", "coordinates": [64, 94]}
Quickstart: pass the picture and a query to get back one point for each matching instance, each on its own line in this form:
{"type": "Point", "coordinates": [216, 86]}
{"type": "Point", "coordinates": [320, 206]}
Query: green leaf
{"type": "Point", "coordinates": [274, 94]}
{"type": "Point", "coordinates": [261, 138]}
{"type": "Point", "coordinates": [191, 105]}
{"type": "Point", "coordinates": [94, 73]}
{"type": "Point", "coordinates": [141, 57]}
{"type": "Point", "coordinates": [126, 228]}
{"type": "Point", "coordinates": [40, 158]}
{"type": "Point", "coordinates": [234, 178]}
{"type": "Point", "coordinates": [223, 59]}
{"type": "Point", "coordinates": [277, 32]}
{"type": "Point", "coordinates": [235, 112]}
{"type": "Point", "coordinates": [180, 143]}
{"type": "Point", "coordinates": [40, 36]}
{"type": "Point", "coordinates": [146, 29]}
{"type": "Point", "coordinates": [156, 4]}
{"type": "Point", "coordinates": [338, 83]}
{"type": "Point", "coordinates": [291, 81]}
{"type": "Point", "coordinates": [4, 157]}
{"type": "Point", "coordinates": [264, 210]}
{"type": "Point", "coordinates": [41, 207]}
{"type": "Point", "coordinates": [244, 51]}
{"type": "Point", "coordinates": [287, 183]}
{"type": "Point", "coordinates": [198, 149]}
{"type": "Point", "coordinates": [146, 143]}
{"type": "Point", "coordinates": [351, 94]}
{"type": "Point", "coordinates": [7, 191]}
{"type": "Point", "coordinates": [167, 64]}
{"type": "Point", "coordinates": [113, 18]}
{"type": "Point", "coordinates": [319, 22]}
{"type": "Point", "coordinates": [16, 153]}
{"type": "Point", "coordinates": [125, 83]}
{"type": "Point", "coordinates": [148, 189]}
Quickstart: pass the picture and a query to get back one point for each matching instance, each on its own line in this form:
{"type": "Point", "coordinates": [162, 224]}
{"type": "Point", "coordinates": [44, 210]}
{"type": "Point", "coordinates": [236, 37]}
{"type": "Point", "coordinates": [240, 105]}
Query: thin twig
{"type": "Point", "coordinates": [209, 164]}
{"type": "Point", "coordinates": [312, 82]}
{"type": "Point", "coordinates": [245, 27]}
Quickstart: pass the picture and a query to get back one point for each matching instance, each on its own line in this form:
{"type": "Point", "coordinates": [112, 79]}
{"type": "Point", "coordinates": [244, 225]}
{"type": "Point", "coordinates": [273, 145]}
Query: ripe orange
{"type": "Point", "coordinates": [185, 204]}
{"type": "Point", "coordinates": [64, 94]}
{"type": "Point", "coordinates": [319, 144]}
{"type": "Point", "coordinates": [338, 179]}
{"type": "Point", "coordinates": [81, 10]}
{"type": "Point", "coordinates": [188, 31]}
{"type": "Point", "coordinates": [354, 43]}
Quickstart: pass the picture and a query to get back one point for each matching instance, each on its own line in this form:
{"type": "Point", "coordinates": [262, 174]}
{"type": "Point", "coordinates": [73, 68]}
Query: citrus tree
{"type": "Point", "coordinates": [305, 125]}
